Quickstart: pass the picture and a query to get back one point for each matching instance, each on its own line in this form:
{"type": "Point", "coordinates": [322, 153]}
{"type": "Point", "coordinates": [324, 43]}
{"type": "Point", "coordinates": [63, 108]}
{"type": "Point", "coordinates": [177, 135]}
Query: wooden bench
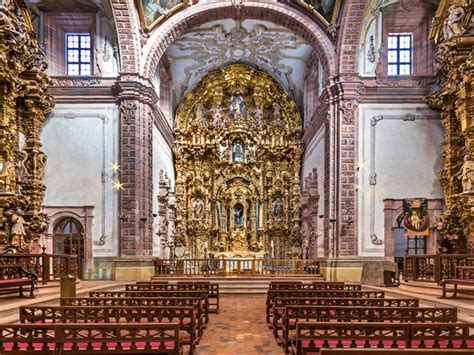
{"type": "Point", "coordinates": [131, 339]}
{"type": "Point", "coordinates": [464, 276]}
{"type": "Point", "coordinates": [309, 338]}
{"type": "Point", "coordinates": [14, 278]}
{"type": "Point", "coordinates": [332, 286]}
{"type": "Point", "coordinates": [395, 351]}
{"type": "Point", "coordinates": [295, 314]}
{"type": "Point", "coordinates": [279, 305]}
{"type": "Point", "coordinates": [212, 289]}
{"type": "Point", "coordinates": [272, 294]}
{"type": "Point", "coordinates": [154, 294]}
{"type": "Point", "coordinates": [183, 316]}
{"type": "Point", "coordinates": [196, 303]}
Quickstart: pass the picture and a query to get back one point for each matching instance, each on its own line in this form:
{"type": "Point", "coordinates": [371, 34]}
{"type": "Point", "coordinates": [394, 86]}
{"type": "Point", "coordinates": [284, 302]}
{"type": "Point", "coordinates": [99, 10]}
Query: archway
{"type": "Point", "coordinates": [238, 158]}
{"type": "Point", "coordinates": [68, 238]}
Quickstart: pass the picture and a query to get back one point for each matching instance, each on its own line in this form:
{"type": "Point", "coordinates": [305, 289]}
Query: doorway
{"type": "Point", "coordinates": [69, 239]}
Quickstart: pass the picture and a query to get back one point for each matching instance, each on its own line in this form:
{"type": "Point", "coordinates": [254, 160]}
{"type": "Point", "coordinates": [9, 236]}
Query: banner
{"type": "Point", "coordinates": [415, 217]}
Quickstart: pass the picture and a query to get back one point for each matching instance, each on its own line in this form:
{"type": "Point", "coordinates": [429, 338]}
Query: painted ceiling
{"type": "Point", "coordinates": [260, 44]}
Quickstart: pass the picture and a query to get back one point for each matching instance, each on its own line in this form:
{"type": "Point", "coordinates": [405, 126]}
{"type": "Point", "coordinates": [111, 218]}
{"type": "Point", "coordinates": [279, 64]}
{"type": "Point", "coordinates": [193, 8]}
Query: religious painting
{"type": "Point", "coordinates": [415, 217]}
{"type": "Point", "coordinates": [327, 9]}
{"type": "Point", "coordinates": [153, 11]}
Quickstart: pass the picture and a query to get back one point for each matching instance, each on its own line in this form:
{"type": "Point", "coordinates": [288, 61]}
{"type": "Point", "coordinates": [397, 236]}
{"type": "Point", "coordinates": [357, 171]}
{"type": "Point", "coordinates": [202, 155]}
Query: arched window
{"type": "Point", "coordinates": [69, 239]}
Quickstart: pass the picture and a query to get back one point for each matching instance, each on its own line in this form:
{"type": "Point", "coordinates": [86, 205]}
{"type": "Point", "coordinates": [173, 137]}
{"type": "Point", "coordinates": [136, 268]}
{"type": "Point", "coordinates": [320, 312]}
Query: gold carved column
{"type": "Point", "coordinates": [454, 43]}
{"type": "Point", "coordinates": [23, 105]}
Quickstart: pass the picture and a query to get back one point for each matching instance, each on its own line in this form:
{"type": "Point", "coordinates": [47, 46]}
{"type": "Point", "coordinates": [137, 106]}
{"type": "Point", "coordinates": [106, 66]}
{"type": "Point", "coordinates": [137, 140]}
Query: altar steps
{"type": "Point", "coordinates": [235, 285]}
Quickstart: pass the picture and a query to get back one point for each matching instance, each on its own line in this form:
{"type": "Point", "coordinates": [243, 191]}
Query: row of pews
{"type": "Point", "coordinates": [151, 317]}
{"type": "Point", "coordinates": [335, 318]}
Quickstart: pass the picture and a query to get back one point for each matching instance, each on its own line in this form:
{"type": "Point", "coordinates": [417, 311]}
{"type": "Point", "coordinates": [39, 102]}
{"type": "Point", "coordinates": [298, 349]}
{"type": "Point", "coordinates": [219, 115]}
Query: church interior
{"type": "Point", "coordinates": [237, 177]}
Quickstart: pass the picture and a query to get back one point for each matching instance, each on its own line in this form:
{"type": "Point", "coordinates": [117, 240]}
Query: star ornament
{"type": "Point", "coordinates": [118, 185]}
{"type": "Point", "coordinates": [115, 167]}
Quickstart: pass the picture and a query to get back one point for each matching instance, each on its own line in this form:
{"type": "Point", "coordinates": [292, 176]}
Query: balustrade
{"type": "Point", "coordinates": [228, 267]}
{"type": "Point", "coordinates": [46, 266]}
{"type": "Point", "coordinates": [432, 268]}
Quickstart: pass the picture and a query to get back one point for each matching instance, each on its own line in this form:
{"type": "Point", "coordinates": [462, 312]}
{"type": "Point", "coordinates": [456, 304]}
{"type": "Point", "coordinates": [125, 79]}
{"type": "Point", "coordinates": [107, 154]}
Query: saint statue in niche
{"type": "Point", "coordinates": [201, 114]}
{"type": "Point", "coordinates": [217, 116]}
{"type": "Point", "coordinates": [453, 25]}
{"type": "Point", "coordinates": [198, 209]}
{"type": "Point", "coordinates": [277, 209]}
{"type": "Point", "coordinates": [237, 107]}
{"type": "Point", "coordinates": [258, 115]}
{"type": "Point", "coordinates": [238, 152]}
{"type": "Point", "coordinates": [238, 215]}
{"type": "Point", "coordinates": [276, 111]}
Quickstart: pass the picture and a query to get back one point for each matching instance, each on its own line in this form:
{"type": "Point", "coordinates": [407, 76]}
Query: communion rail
{"type": "Point", "coordinates": [228, 267]}
{"type": "Point", "coordinates": [46, 266]}
{"type": "Point", "coordinates": [433, 268]}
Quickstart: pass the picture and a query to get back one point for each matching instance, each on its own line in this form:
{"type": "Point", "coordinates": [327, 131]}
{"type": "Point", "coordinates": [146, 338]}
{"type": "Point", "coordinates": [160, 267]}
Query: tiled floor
{"type": "Point", "coordinates": [239, 328]}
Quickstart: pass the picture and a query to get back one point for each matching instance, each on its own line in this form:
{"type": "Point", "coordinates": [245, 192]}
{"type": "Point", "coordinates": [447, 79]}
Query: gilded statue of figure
{"type": "Point", "coordinates": [467, 174]}
{"type": "Point", "coordinates": [217, 116]}
{"type": "Point", "coordinates": [198, 209]}
{"type": "Point", "coordinates": [237, 107]}
{"type": "Point", "coordinates": [7, 177]}
{"type": "Point", "coordinates": [277, 209]}
{"type": "Point", "coordinates": [18, 232]}
{"type": "Point", "coordinates": [201, 114]}
{"type": "Point", "coordinates": [276, 111]}
{"type": "Point", "coordinates": [453, 25]}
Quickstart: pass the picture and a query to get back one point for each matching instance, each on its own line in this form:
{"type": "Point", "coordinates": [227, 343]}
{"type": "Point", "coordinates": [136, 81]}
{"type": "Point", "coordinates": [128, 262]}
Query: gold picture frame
{"type": "Point", "coordinates": [335, 12]}
{"type": "Point", "coordinates": [162, 12]}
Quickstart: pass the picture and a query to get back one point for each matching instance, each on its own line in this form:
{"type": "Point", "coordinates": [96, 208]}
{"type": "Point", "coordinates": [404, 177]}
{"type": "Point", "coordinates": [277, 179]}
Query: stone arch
{"type": "Point", "coordinates": [303, 25]}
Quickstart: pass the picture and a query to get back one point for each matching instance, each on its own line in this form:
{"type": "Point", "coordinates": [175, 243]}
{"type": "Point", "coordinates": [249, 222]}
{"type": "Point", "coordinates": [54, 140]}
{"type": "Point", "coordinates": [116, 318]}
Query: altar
{"type": "Point", "coordinates": [238, 158]}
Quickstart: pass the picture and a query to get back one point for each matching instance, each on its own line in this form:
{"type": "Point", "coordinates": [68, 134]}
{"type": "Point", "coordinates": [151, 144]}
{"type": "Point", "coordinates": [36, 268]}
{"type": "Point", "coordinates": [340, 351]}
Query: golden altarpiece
{"type": "Point", "coordinates": [238, 159]}
{"type": "Point", "coordinates": [23, 105]}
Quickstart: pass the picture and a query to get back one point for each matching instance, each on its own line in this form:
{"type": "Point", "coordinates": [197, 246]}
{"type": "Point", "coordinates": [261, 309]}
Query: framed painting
{"type": "Point", "coordinates": [152, 12]}
{"type": "Point", "coordinates": [326, 10]}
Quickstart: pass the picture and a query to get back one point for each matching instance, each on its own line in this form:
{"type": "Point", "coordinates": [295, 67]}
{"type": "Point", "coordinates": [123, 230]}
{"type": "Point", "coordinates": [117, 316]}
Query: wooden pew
{"type": "Point", "coordinates": [153, 294]}
{"type": "Point", "coordinates": [464, 276]}
{"type": "Point", "coordinates": [309, 338]}
{"type": "Point", "coordinates": [196, 303]}
{"type": "Point", "coordinates": [279, 305]}
{"type": "Point", "coordinates": [131, 339]}
{"type": "Point", "coordinates": [395, 351]}
{"type": "Point", "coordinates": [183, 316]}
{"type": "Point", "coordinates": [296, 314]}
{"type": "Point", "coordinates": [332, 286]}
{"type": "Point", "coordinates": [272, 294]}
{"type": "Point", "coordinates": [15, 278]}
{"type": "Point", "coordinates": [212, 289]}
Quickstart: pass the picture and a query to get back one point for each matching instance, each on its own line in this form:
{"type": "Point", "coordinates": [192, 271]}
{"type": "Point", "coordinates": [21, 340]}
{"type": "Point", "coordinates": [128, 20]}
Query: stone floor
{"type": "Point", "coordinates": [239, 328]}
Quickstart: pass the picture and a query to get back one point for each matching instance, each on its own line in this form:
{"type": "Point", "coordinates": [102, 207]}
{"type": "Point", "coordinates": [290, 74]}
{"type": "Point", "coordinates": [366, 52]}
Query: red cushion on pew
{"type": "Point", "coordinates": [8, 281]}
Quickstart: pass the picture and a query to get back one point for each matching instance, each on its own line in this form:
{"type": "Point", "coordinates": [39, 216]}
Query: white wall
{"type": "Point", "coordinates": [81, 142]}
{"type": "Point", "coordinates": [314, 158]}
{"type": "Point", "coordinates": [162, 159]}
{"type": "Point", "coordinates": [404, 154]}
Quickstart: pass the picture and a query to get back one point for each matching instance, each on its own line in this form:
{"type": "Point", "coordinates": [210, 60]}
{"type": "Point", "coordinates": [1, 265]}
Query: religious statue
{"type": "Point", "coordinates": [217, 116]}
{"type": "Point", "coordinates": [238, 153]}
{"type": "Point", "coordinates": [237, 107]}
{"type": "Point", "coordinates": [201, 114]}
{"type": "Point", "coordinates": [453, 25]}
{"type": "Point", "coordinates": [258, 115]}
{"type": "Point", "coordinates": [467, 174]}
{"type": "Point", "coordinates": [198, 209]}
{"type": "Point", "coordinates": [7, 177]}
{"type": "Point", "coordinates": [238, 215]}
{"type": "Point", "coordinates": [276, 111]}
{"type": "Point", "coordinates": [277, 209]}
{"type": "Point", "coordinates": [18, 232]}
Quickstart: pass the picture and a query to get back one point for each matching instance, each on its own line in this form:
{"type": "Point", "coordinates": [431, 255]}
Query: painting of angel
{"type": "Point", "coordinates": [324, 7]}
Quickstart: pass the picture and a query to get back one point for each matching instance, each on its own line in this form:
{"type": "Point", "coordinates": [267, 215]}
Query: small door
{"type": "Point", "coordinates": [69, 240]}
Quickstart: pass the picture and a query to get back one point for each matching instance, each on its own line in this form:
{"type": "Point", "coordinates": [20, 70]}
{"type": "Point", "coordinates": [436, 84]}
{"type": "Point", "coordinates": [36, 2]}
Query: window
{"type": "Point", "coordinates": [78, 54]}
{"type": "Point", "coordinates": [400, 54]}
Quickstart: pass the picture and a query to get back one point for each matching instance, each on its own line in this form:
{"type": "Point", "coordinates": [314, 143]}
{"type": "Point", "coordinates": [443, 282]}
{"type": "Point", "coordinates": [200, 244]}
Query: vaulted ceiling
{"type": "Point", "coordinates": [260, 44]}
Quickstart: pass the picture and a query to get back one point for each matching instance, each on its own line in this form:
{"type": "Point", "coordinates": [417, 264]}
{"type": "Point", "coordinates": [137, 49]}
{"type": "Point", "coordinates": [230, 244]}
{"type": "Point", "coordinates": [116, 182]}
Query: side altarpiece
{"type": "Point", "coordinates": [238, 159]}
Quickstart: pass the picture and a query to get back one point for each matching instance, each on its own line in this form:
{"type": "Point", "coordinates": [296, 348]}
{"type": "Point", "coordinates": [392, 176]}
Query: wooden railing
{"type": "Point", "coordinates": [47, 267]}
{"type": "Point", "coordinates": [432, 268]}
{"type": "Point", "coordinates": [228, 267]}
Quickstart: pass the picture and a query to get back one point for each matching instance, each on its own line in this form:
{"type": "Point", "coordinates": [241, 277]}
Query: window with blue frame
{"type": "Point", "coordinates": [400, 54]}
{"type": "Point", "coordinates": [78, 54]}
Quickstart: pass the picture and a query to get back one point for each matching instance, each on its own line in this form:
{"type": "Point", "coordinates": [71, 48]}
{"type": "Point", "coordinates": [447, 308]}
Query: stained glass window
{"type": "Point", "coordinates": [400, 54]}
{"type": "Point", "coordinates": [78, 54]}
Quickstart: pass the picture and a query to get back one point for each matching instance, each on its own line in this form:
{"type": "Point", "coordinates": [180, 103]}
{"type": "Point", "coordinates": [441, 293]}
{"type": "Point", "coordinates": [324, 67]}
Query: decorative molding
{"type": "Point", "coordinates": [128, 112]}
{"type": "Point", "coordinates": [73, 82]}
{"type": "Point", "coordinates": [371, 52]}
